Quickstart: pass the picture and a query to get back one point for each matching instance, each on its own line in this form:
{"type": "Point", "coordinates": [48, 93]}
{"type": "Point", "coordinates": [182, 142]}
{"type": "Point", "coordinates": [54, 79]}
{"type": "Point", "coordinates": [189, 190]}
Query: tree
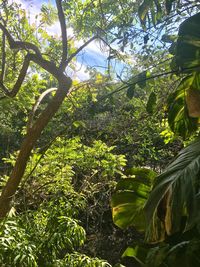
{"type": "Point", "coordinates": [31, 52]}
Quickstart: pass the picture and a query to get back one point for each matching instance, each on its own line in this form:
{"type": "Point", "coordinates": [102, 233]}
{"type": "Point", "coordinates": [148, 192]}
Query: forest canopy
{"type": "Point", "coordinates": [99, 140]}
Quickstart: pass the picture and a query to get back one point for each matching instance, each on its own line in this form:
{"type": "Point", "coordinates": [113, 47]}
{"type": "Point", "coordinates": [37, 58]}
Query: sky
{"type": "Point", "coordinates": [93, 55]}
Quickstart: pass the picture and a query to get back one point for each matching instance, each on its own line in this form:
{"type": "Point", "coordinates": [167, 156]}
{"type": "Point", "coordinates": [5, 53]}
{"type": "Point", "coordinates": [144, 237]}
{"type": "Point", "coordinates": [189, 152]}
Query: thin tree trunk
{"type": "Point", "coordinates": [27, 145]}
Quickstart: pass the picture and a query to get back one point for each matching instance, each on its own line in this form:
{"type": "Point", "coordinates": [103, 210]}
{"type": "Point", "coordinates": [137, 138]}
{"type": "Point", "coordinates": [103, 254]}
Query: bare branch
{"type": "Point", "coordinates": [63, 27]}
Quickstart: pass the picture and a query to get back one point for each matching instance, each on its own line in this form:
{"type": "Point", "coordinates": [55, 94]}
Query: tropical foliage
{"type": "Point", "coordinates": [171, 207]}
{"type": "Point", "coordinates": [103, 171]}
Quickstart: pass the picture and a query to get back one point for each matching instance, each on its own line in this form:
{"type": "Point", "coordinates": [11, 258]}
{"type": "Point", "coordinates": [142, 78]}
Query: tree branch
{"type": "Point", "coordinates": [19, 44]}
{"type": "Point", "coordinates": [19, 81]}
{"type": "Point", "coordinates": [79, 49]}
{"type": "Point", "coordinates": [37, 103]}
{"type": "Point", "coordinates": [3, 52]}
{"type": "Point", "coordinates": [34, 132]}
{"type": "Point", "coordinates": [128, 84]}
{"type": "Point", "coordinates": [45, 64]}
{"type": "Point", "coordinates": [27, 145]}
{"type": "Point", "coordinates": [63, 27]}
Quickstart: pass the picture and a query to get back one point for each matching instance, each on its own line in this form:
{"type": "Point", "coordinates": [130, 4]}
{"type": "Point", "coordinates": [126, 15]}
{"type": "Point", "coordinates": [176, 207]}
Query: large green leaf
{"type": "Point", "coordinates": [176, 193]}
{"type": "Point", "coordinates": [127, 210]}
{"type": "Point", "coordinates": [179, 120]}
{"type": "Point", "coordinates": [131, 184]}
{"type": "Point", "coordinates": [143, 175]}
{"type": "Point", "coordinates": [188, 45]}
{"type": "Point", "coordinates": [186, 60]}
{"type": "Point", "coordinates": [137, 252]}
{"type": "Point", "coordinates": [129, 200]}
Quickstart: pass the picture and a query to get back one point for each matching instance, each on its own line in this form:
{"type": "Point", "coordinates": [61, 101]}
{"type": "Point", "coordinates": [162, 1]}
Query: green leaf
{"type": "Point", "coordinates": [131, 184]}
{"type": "Point", "coordinates": [127, 210]}
{"type": "Point", "coordinates": [129, 252]}
{"type": "Point", "coordinates": [130, 91]}
{"type": "Point", "coordinates": [128, 202]}
{"type": "Point", "coordinates": [188, 45]}
{"type": "Point", "coordinates": [153, 16]}
{"type": "Point", "coordinates": [169, 38]}
{"type": "Point", "coordinates": [158, 11]}
{"type": "Point", "coordinates": [144, 175]}
{"type": "Point", "coordinates": [178, 117]}
{"type": "Point", "coordinates": [151, 104]}
{"type": "Point", "coordinates": [48, 14]}
{"type": "Point", "coordinates": [142, 79]}
{"type": "Point", "coordinates": [178, 185]}
{"type": "Point", "coordinates": [138, 253]}
{"type": "Point", "coordinates": [143, 10]}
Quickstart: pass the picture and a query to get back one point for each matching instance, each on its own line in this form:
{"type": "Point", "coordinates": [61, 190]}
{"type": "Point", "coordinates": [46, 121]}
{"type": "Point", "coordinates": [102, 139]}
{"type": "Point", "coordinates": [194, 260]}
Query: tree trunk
{"type": "Point", "coordinates": [27, 145]}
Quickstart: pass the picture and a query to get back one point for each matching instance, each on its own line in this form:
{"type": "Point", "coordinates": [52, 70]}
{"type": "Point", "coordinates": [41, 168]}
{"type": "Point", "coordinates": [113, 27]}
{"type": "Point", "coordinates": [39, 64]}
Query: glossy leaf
{"type": "Point", "coordinates": [128, 202]}
{"type": "Point", "coordinates": [179, 120]}
{"type": "Point", "coordinates": [127, 210]}
{"type": "Point", "coordinates": [175, 192]}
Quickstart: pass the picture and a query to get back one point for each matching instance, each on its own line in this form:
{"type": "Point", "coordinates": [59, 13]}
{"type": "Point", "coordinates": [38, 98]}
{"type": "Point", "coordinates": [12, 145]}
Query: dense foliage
{"type": "Point", "coordinates": [101, 172]}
